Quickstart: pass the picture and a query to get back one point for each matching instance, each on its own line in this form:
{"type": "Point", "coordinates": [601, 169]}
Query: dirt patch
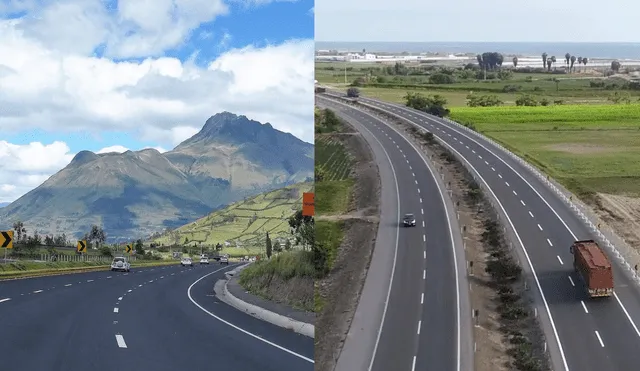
{"type": "Point", "coordinates": [579, 149]}
{"type": "Point", "coordinates": [340, 289]}
{"type": "Point", "coordinates": [622, 214]}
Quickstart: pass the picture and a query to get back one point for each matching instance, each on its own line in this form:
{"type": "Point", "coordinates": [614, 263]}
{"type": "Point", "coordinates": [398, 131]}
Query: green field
{"type": "Point", "coordinates": [245, 222]}
{"type": "Point", "coordinates": [575, 88]}
{"type": "Point", "coordinates": [587, 148]}
{"type": "Point", "coordinates": [334, 163]}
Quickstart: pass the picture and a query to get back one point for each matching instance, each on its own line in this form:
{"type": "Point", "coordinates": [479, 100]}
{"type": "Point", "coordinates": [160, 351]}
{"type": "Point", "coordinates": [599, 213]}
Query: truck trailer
{"type": "Point", "coordinates": [593, 267]}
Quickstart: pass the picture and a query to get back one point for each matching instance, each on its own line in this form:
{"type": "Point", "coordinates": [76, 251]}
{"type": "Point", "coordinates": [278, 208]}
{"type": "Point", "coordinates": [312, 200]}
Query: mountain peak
{"type": "Point", "coordinates": [231, 128]}
{"type": "Point", "coordinates": [83, 157]}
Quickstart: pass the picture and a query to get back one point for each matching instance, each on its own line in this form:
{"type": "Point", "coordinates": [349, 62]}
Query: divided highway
{"type": "Point", "coordinates": [162, 318]}
{"type": "Point", "coordinates": [592, 334]}
{"type": "Point", "coordinates": [414, 311]}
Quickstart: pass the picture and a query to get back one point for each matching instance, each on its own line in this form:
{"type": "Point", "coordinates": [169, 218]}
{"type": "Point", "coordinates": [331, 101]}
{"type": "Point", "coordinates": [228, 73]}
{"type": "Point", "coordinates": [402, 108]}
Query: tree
{"type": "Point", "coordinates": [515, 62]}
{"type": "Point", "coordinates": [573, 61]}
{"type": "Point", "coordinates": [585, 60]}
{"type": "Point", "coordinates": [20, 230]}
{"type": "Point", "coordinates": [549, 63]}
{"type": "Point", "coordinates": [615, 66]}
{"type": "Point", "coordinates": [218, 246]}
{"type": "Point", "coordinates": [268, 246]}
{"type": "Point", "coordinates": [277, 247]}
{"type": "Point", "coordinates": [96, 236]}
{"type": "Point", "coordinates": [553, 61]}
{"type": "Point", "coordinates": [287, 245]}
{"type": "Point", "coordinates": [544, 60]}
{"type": "Point", "coordinates": [567, 58]}
{"type": "Point", "coordinates": [434, 105]}
{"type": "Point", "coordinates": [139, 247]}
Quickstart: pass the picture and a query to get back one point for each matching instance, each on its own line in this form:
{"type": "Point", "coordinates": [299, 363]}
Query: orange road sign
{"type": "Point", "coordinates": [308, 204]}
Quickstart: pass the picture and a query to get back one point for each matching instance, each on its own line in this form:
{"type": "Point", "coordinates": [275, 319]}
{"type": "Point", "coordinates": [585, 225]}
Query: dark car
{"type": "Point", "coordinates": [409, 220]}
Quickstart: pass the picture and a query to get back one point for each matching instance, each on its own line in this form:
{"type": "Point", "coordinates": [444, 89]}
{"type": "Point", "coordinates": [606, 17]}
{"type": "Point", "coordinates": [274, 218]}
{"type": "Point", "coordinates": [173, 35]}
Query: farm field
{"type": "Point", "coordinates": [243, 224]}
{"type": "Point", "coordinates": [334, 163]}
{"type": "Point", "coordinates": [584, 86]}
{"type": "Point", "coordinates": [590, 149]}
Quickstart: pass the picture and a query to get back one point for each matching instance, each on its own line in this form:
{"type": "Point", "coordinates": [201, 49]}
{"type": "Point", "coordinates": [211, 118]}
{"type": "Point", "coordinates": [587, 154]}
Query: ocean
{"type": "Point", "coordinates": [622, 51]}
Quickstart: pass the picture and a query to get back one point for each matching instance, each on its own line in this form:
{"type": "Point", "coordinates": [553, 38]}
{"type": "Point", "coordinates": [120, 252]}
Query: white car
{"type": "Point", "coordinates": [204, 260]}
{"type": "Point", "coordinates": [120, 263]}
{"type": "Point", "coordinates": [186, 262]}
{"type": "Point", "coordinates": [224, 260]}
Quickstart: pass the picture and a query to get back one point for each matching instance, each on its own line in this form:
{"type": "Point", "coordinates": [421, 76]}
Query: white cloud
{"type": "Point", "coordinates": [116, 148]}
{"type": "Point", "coordinates": [50, 80]}
{"type": "Point", "coordinates": [24, 167]}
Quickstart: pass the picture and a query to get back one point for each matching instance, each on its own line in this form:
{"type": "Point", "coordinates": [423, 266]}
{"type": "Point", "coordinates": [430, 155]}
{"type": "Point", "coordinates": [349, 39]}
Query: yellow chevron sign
{"type": "Point", "coordinates": [82, 246]}
{"type": "Point", "coordinates": [6, 239]}
{"type": "Point", "coordinates": [129, 248]}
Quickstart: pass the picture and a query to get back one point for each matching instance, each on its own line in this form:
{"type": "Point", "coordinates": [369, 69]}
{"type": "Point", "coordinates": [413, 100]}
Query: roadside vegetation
{"type": "Point", "coordinates": [285, 275]}
{"type": "Point", "coordinates": [334, 185]}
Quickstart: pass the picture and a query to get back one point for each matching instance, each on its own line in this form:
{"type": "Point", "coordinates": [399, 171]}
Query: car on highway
{"type": "Point", "coordinates": [186, 262]}
{"type": "Point", "coordinates": [224, 260]}
{"type": "Point", "coordinates": [204, 260]}
{"type": "Point", "coordinates": [409, 220]}
{"type": "Point", "coordinates": [120, 263]}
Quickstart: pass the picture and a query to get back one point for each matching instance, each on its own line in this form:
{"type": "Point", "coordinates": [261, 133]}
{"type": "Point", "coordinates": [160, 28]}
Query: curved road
{"type": "Point", "coordinates": [162, 318]}
{"type": "Point", "coordinates": [418, 272]}
{"type": "Point", "coordinates": [588, 334]}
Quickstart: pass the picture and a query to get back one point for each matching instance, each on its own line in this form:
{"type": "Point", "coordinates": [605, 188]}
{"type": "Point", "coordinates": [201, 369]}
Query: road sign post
{"type": "Point", "coordinates": [6, 241]}
{"type": "Point", "coordinates": [82, 246]}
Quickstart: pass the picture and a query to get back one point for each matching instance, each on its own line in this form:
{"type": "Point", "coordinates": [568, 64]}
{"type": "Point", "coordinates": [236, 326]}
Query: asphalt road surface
{"type": "Point", "coordinates": [593, 334]}
{"type": "Point", "coordinates": [426, 322]}
{"type": "Point", "coordinates": [161, 318]}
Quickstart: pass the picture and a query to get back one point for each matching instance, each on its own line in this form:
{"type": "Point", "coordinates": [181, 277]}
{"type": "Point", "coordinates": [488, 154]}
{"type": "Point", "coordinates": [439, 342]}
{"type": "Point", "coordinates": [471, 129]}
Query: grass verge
{"type": "Point", "coordinates": [286, 278]}
{"type": "Point", "coordinates": [33, 269]}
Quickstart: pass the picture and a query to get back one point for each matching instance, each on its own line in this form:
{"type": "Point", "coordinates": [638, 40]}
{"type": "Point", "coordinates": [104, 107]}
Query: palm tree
{"type": "Point", "coordinates": [573, 61]}
{"type": "Point", "coordinates": [567, 58]}
{"type": "Point", "coordinates": [553, 60]}
{"type": "Point", "coordinates": [544, 60]}
{"type": "Point", "coordinates": [549, 63]}
{"type": "Point", "coordinates": [585, 60]}
{"type": "Point", "coordinates": [579, 60]}
{"type": "Point", "coordinates": [515, 62]}
{"type": "Point", "coordinates": [615, 66]}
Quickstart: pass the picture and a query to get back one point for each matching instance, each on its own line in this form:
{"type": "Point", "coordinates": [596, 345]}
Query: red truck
{"type": "Point", "coordinates": [594, 267]}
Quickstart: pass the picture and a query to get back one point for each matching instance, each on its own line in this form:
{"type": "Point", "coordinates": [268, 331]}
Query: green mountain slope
{"type": "Point", "coordinates": [243, 225]}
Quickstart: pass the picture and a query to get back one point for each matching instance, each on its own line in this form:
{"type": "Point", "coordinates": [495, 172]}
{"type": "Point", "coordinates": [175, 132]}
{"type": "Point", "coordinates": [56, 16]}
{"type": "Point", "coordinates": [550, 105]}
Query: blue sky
{"type": "Point", "coordinates": [268, 24]}
{"type": "Point", "coordinates": [88, 75]}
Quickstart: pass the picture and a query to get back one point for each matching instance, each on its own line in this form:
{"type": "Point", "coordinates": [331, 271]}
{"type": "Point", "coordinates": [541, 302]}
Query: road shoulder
{"type": "Point", "coordinates": [231, 292]}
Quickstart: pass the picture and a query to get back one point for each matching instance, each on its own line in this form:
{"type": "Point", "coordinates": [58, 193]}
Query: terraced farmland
{"type": "Point", "coordinates": [243, 225]}
{"type": "Point", "coordinates": [332, 159]}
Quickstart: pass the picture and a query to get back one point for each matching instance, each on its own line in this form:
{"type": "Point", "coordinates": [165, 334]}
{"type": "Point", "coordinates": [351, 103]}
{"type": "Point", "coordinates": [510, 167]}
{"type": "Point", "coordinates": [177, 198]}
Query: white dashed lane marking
{"type": "Point", "coordinates": [120, 341]}
{"type": "Point", "coordinates": [115, 310]}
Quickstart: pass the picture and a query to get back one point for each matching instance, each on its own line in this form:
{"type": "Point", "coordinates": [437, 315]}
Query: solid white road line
{"type": "Point", "coordinates": [599, 339]}
{"type": "Point", "coordinates": [120, 341]}
{"type": "Point", "coordinates": [236, 327]}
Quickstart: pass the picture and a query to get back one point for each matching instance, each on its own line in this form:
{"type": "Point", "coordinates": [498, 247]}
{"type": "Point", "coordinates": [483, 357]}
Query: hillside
{"type": "Point", "coordinates": [244, 222]}
{"type": "Point", "coordinates": [136, 194]}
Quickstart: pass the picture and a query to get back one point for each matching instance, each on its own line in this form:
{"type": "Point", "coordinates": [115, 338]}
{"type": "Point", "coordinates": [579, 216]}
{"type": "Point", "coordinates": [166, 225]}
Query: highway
{"type": "Point", "coordinates": [161, 318]}
{"type": "Point", "coordinates": [414, 311]}
{"type": "Point", "coordinates": [588, 334]}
